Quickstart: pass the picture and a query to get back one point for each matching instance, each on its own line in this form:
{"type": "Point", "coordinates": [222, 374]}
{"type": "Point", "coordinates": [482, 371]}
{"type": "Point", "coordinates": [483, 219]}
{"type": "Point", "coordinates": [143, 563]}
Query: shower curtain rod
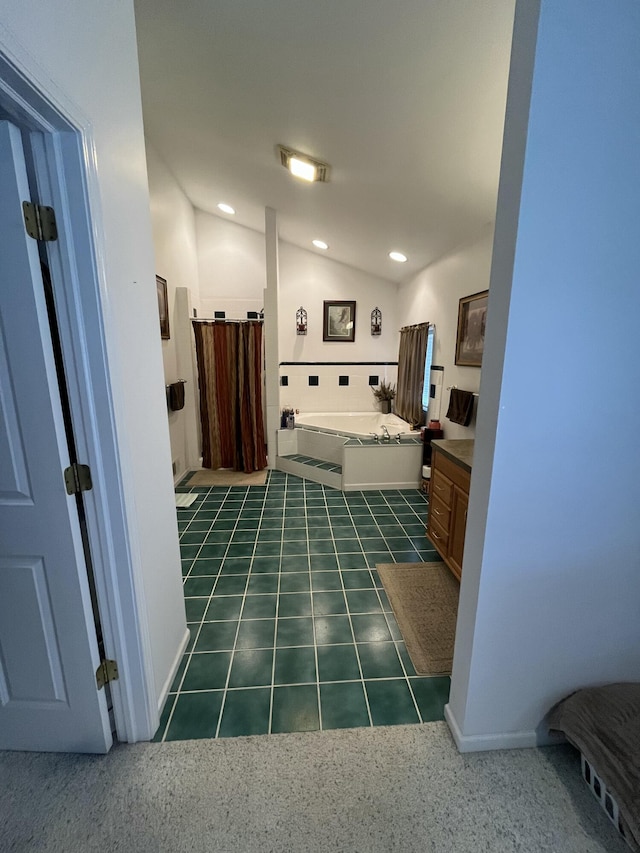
{"type": "Point", "coordinates": [416, 326]}
{"type": "Point", "coordinates": [224, 320]}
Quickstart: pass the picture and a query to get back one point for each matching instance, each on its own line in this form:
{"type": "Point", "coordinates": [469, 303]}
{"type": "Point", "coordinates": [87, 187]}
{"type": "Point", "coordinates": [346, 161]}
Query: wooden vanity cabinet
{"type": "Point", "coordinates": [448, 502]}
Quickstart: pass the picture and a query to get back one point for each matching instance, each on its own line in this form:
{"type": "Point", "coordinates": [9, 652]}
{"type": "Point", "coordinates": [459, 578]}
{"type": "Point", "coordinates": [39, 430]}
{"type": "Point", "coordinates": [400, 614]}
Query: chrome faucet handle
{"type": "Point", "coordinates": [375, 435]}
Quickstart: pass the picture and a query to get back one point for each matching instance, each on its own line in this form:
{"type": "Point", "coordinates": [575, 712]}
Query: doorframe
{"type": "Point", "coordinates": [64, 156]}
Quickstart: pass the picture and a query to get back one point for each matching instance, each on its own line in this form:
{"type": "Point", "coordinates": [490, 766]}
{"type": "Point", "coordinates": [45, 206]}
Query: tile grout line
{"type": "Point", "coordinates": [313, 621]}
{"type": "Point", "coordinates": [275, 627]}
{"type": "Point", "coordinates": [195, 639]}
{"type": "Point", "coordinates": [355, 645]}
{"type": "Point", "coordinates": [235, 527]}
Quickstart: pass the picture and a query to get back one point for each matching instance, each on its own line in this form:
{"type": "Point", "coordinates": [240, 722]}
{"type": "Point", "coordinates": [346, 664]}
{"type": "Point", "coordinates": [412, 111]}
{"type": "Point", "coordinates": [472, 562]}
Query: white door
{"type": "Point", "coordinates": [49, 698]}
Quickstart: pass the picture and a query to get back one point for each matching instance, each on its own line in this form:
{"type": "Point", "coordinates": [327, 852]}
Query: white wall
{"type": "Point", "coordinates": [86, 52]}
{"type": "Point", "coordinates": [231, 262]}
{"type": "Point", "coordinates": [433, 296]}
{"type": "Point", "coordinates": [176, 260]}
{"type": "Point", "coordinates": [307, 279]}
{"type": "Point", "coordinates": [232, 279]}
{"type": "Point", "coordinates": [551, 579]}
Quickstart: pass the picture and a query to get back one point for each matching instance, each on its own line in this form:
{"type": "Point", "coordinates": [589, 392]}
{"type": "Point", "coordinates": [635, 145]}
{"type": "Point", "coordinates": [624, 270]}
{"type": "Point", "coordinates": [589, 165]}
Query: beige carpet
{"type": "Point", "coordinates": [424, 598]}
{"type": "Point", "coordinates": [226, 477]}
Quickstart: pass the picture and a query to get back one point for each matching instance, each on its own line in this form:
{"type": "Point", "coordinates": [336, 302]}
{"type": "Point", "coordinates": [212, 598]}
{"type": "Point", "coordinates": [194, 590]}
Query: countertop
{"type": "Point", "coordinates": [458, 450]}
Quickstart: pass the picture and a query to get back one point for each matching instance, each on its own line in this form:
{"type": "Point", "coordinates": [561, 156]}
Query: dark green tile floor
{"type": "Point", "coordinates": [291, 629]}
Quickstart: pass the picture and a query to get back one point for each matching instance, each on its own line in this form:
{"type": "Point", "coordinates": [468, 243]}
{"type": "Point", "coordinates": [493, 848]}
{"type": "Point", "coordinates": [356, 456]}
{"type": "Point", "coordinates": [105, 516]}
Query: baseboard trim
{"type": "Point", "coordinates": [485, 743]}
{"type": "Point", "coordinates": [172, 672]}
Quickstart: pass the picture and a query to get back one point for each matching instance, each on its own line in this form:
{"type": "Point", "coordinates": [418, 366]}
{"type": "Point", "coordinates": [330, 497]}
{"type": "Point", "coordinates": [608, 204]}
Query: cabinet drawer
{"type": "Point", "coordinates": [441, 487]}
{"type": "Point", "coordinates": [455, 473]}
{"type": "Point", "coordinates": [438, 535]}
{"type": "Point", "coordinates": [440, 512]}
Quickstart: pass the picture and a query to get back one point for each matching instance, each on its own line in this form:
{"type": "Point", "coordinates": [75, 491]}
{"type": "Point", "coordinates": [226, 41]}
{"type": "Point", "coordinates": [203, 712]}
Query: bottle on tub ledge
{"type": "Point", "coordinates": [287, 419]}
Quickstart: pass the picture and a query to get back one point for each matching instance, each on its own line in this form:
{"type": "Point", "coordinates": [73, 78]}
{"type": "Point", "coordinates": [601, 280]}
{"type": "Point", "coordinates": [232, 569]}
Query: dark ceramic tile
{"type": "Point", "coordinates": [338, 663]}
{"type": "Point", "coordinates": [379, 660]}
{"type": "Point", "coordinates": [246, 712]}
{"type": "Point", "coordinates": [343, 706]}
{"type": "Point", "coordinates": [260, 606]}
{"type": "Point", "coordinates": [259, 583]}
{"type": "Point", "coordinates": [294, 604]}
{"type": "Point", "coordinates": [391, 702]}
{"type": "Point", "coordinates": [295, 665]}
{"type": "Point", "coordinates": [251, 668]}
{"type": "Point", "coordinates": [359, 579]}
{"type": "Point", "coordinates": [295, 632]}
{"type": "Point", "coordinates": [328, 603]}
{"type": "Point", "coordinates": [295, 582]}
{"type": "Point", "coordinates": [363, 601]}
{"type": "Point", "coordinates": [352, 561]}
{"type": "Point", "coordinates": [295, 709]}
{"type": "Point", "coordinates": [216, 636]}
{"type": "Point", "coordinates": [164, 718]}
{"type": "Point", "coordinates": [195, 715]}
{"type": "Point", "coordinates": [370, 628]}
{"type": "Point", "coordinates": [231, 585]}
{"type": "Point", "coordinates": [227, 607]}
{"type": "Point", "coordinates": [198, 586]}
{"type": "Point", "coordinates": [432, 694]}
{"type": "Point", "coordinates": [207, 671]}
{"type": "Point", "coordinates": [324, 581]}
{"type": "Point", "coordinates": [256, 634]}
{"type": "Point", "coordinates": [332, 629]}
{"type": "Point", "coordinates": [195, 608]}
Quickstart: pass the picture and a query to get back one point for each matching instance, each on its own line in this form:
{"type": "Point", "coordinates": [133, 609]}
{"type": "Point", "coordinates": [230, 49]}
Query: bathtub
{"type": "Point", "coordinates": [355, 424]}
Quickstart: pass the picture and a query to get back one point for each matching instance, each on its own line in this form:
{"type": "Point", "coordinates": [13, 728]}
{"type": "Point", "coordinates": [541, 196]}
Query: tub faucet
{"type": "Point", "coordinates": [386, 436]}
{"type": "Point", "coordinates": [375, 435]}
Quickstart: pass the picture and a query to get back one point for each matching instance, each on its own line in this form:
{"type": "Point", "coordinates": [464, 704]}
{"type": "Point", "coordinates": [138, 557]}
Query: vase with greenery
{"type": "Point", "coordinates": [384, 393]}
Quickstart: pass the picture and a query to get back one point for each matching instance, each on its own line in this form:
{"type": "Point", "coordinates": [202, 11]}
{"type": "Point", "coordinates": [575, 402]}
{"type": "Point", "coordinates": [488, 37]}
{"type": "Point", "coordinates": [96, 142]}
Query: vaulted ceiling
{"type": "Point", "coordinates": [404, 98]}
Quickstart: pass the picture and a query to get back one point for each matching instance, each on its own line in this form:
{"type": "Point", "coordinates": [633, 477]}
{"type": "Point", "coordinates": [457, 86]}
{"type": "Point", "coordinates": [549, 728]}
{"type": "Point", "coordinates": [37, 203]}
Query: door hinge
{"type": "Point", "coordinates": [106, 672]}
{"type": "Point", "coordinates": [77, 478]}
{"type": "Point", "coordinates": [40, 221]}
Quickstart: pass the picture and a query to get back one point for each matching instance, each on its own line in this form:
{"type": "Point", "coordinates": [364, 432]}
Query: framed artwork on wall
{"type": "Point", "coordinates": [339, 322]}
{"type": "Point", "coordinates": [163, 307]}
{"type": "Point", "coordinates": [472, 319]}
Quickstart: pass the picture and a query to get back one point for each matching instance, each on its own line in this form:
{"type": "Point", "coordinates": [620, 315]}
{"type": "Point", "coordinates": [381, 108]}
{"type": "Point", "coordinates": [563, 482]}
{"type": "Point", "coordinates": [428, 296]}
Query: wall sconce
{"type": "Point", "coordinates": [301, 321]}
{"type": "Point", "coordinates": [376, 322]}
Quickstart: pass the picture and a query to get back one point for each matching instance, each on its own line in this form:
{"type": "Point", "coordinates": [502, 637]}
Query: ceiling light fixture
{"type": "Point", "coordinates": [398, 256]}
{"type": "Point", "coordinates": [226, 208]}
{"type": "Point", "coordinates": [320, 244]}
{"type": "Point", "coordinates": [302, 165]}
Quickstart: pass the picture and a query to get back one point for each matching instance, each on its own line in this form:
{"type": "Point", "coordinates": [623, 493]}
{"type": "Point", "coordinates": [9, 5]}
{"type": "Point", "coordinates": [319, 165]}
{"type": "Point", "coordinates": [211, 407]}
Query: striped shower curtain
{"type": "Point", "coordinates": [229, 359]}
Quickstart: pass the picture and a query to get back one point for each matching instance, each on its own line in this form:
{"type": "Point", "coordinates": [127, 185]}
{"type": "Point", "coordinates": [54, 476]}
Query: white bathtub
{"type": "Point", "coordinates": [357, 424]}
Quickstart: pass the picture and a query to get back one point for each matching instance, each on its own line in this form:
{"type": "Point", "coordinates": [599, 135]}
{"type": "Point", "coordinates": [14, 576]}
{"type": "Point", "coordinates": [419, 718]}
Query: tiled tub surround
{"type": "Point", "coordinates": [363, 464]}
{"type": "Point", "coordinates": [329, 395]}
{"type": "Point", "coordinates": [290, 627]}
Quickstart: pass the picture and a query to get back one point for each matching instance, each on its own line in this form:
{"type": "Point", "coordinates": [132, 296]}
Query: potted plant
{"type": "Point", "coordinates": [384, 393]}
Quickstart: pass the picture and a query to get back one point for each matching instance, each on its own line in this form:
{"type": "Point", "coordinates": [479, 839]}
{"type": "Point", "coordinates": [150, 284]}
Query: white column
{"type": "Point", "coordinates": [272, 380]}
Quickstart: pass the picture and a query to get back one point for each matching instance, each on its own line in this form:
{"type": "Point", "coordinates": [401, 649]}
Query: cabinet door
{"type": "Point", "coordinates": [457, 529]}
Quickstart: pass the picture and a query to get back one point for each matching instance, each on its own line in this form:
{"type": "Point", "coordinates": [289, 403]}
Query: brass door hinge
{"type": "Point", "coordinates": [40, 221]}
{"type": "Point", "coordinates": [77, 478]}
{"type": "Point", "coordinates": [106, 672]}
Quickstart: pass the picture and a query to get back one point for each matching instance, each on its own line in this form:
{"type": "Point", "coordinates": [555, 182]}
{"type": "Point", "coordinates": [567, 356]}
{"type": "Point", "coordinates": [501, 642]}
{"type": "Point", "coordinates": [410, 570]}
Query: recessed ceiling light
{"type": "Point", "coordinates": [226, 208]}
{"type": "Point", "coordinates": [302, 165]}
{"type": "Point", "coordinates": [398, 256]}
{"type": "Point", "coordinates": [320, 244]}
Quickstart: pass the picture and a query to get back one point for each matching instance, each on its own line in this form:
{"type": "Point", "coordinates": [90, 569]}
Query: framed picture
{"type": "Point", "coordinates": [163, 307]}
{"type": "Point", "coordinates": [339, 322]}
{"type": "Point", "coordinates": [472, 319]}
